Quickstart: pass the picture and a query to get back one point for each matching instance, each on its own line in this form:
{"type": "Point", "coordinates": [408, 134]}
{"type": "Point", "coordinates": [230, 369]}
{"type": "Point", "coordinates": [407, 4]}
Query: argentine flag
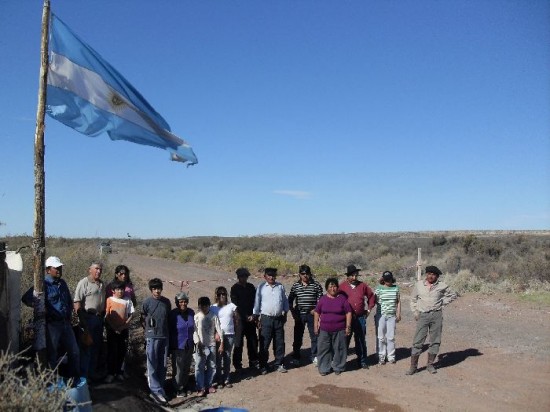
{"type": "Point", "coordinates": [88, 94]}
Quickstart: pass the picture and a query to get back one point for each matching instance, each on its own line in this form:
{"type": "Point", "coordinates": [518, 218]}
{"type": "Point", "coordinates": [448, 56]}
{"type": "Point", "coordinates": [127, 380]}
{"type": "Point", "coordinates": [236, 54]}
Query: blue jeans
{"type": "Point", "coordinates": [300, 323]}
{"type": "Point", "coordinates": [157, 352]}
{"type": "Point", "coordinates": [60, 341]}
{"type": "Point", "coordinates": [89, 354]}
{"type": "Point", "coordinates": [205, 367]}
{"type": "Point", "coordinates": [223, 361]}
{"type": "Point", "coordinates": [359, 332]}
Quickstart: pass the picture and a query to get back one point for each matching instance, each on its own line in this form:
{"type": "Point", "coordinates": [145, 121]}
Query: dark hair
{"type": "Point", "coordinates": [220, 290]}
{"type": "Point", "coordinates": [304, 269]}
{"type": "Point", "coordinates": [117, 284]}
{"type": "Point", "coordinates": [204, 301]}
{"type": "Point", "coordinates": [155, 283]}
{"type": "Point", "coordinates": [124, 268]}
{"type": "Point", "coordinates": [331, 281]}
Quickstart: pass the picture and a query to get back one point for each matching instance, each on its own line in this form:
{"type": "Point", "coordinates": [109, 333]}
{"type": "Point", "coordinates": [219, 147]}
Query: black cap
{"type": "Point", "coordinates": [433, 269]}
{"type": "Point", "coordinates": [351, 269]}
{"type": "Point", "coordinates": [387, 276]}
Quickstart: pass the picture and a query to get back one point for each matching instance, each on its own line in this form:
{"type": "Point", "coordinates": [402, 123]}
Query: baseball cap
{"type": "Point", "coordinates": [53, 261]}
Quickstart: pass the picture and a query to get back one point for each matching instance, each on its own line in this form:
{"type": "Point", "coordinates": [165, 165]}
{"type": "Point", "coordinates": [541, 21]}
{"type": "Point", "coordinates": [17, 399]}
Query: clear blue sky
{"type": "Point", "coordinates": [306, 116]}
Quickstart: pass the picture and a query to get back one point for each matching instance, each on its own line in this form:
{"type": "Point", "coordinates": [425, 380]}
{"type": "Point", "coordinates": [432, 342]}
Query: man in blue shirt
{"type": "Point", "coordinates": [60, 338]}
{"type": "Point", "coordinates": [271, 308]}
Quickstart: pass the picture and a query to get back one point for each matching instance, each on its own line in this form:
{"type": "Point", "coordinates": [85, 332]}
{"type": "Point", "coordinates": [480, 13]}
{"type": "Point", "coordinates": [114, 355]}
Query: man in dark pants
{"type": "Point", "coordinates": [271, 308]}
{"type": "Point", "coordinates": [302, 300]}
{"type": "Point", "coordinates": [427, 301]}
{"type": "Point", "coordinates": [243, 294]}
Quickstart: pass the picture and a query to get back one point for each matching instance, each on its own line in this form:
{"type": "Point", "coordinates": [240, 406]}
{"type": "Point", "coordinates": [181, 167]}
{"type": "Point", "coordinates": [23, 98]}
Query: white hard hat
{"type": "Point", "coordinates": [53, 261]}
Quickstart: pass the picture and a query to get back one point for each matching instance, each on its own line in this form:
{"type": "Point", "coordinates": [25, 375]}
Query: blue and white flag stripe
{"type": "Point", "coordinates": [87, 94]}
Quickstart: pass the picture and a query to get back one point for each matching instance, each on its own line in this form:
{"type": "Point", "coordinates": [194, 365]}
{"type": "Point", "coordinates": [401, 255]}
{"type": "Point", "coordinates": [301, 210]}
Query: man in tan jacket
{"type": "Point", "coordinates": [427, 301]}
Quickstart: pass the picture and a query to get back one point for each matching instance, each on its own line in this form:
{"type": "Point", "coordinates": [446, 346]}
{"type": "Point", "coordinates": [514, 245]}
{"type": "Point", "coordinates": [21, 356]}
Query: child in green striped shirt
{"type": "Point", "coordinates": [388, 313]}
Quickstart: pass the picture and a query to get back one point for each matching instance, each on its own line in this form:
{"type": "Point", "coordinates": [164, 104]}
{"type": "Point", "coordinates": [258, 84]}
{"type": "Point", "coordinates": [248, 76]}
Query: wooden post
{"type": "Point", "coordinates": [419, 265]}
{"type": "Point", "coordinates": [39, 238]}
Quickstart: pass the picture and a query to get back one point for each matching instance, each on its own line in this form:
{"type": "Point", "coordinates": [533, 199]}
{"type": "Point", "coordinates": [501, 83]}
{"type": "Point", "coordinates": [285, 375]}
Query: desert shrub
{"type": "Point", "coordinates": [464, 281]}
{"type": "Point", "coordinates": [187, 255]}
{"type": "Point", "coordinates": [439, 240]}
{"type": "Point", "coordinates": [26, 388]}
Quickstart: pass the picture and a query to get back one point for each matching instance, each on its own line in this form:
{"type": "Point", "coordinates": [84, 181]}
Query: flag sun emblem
{"type": "Point", "coordinates": [116, 102]}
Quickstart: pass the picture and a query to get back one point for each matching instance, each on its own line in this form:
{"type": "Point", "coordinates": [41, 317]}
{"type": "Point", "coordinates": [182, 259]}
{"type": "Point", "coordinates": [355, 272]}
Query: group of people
{"type": "Point", "coordinates": [97, 305]}
{"type": "Point", "coordinates": [213, 336]}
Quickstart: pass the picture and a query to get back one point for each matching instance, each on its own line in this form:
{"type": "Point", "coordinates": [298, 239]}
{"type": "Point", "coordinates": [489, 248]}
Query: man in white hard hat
{"type": "Point", "coordinates": [60, 338]}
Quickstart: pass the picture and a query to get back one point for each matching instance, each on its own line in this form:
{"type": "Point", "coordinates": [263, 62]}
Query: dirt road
{"type": "Point", "coordinates": [495, 356]}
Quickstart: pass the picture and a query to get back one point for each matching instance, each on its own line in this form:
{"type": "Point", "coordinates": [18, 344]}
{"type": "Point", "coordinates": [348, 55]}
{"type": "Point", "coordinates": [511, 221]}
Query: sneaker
{"type": "Point", "coordinates": [181, 394]}
{"type": "Point", "coordinates": [263, 371]}
{"type": "Point", "coordinates": [228, 384]}
{"type": "Point", "coordinates": [201, 392]}
{"type": "Point", "coordinates": [109, 379]}
{"type": "Point", "coordinates": [382, 362]}
{"type": "Point", "coordinates": [314, 361]}
{"type": "Point", "coordinates": [364, 366]}
{"type": "Point", "coordinates": [282, 369]}
{"type": "Point", "coordinates": [392, 361]}
{"type": "Point", "coordinates": [211, 390]}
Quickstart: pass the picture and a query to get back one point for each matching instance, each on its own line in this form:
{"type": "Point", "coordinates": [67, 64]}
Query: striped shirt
{"type": "Point", "coordinates": [386, 299]}
{"type": "Point", "coordinates": [306, 296]}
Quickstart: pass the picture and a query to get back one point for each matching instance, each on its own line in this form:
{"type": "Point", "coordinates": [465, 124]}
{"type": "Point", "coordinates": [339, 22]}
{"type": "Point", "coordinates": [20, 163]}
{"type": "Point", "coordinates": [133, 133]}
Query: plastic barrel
{"type": "Point", "coordinates": [79, 397]}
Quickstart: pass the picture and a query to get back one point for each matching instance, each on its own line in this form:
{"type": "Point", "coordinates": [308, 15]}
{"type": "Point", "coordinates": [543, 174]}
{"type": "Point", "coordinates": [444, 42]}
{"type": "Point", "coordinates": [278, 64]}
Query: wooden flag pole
{"type": "Point", "coordinates": [419, 265]}
{"type": "Point", "coordinates": [39, 238]}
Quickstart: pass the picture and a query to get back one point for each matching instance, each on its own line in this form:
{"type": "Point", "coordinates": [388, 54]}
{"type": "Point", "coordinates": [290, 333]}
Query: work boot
{"type": "Point", "coordinates": [430, 366]}
{"type": "Point", "coordinates": [414, 365]}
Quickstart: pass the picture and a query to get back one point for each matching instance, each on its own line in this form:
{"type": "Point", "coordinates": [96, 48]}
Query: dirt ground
{"type": "Point", "coordinates": [495, 356]}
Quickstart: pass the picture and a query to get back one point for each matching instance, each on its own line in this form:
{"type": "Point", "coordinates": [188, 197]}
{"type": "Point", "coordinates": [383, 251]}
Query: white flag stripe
{"type": "Point", "coordinates": [88, 85]}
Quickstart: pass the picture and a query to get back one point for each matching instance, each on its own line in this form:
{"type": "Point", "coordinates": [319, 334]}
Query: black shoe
{"type": "Point", "coordinates": [364, 366]}
{"type": "Point", "coordinates": [263, 371]}
{"type": "Point", "coordinates": [159, 399]}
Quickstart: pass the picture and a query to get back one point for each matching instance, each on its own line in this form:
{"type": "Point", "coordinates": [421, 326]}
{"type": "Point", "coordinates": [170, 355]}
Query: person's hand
{"type": "Point", "coordinates": [398, 318]}
{"type": "Point", "coordinates": [217, 337]}
{"type": "Point", "coordinates": [348, 330]}
{"type": "Point", "coordinates": [250, 318]}
{"type": "Point", "coordinates": [367, 313]}
{"type": "Point", "coordinates": [316, 330]}
{"type": "Point", "coordinates": [220, 350]}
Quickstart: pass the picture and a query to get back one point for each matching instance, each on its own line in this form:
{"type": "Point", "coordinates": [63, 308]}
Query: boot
{"type": "Point", "coordinates": [430, 366]}
{"type": "Point", "coordinates": [414, 365]}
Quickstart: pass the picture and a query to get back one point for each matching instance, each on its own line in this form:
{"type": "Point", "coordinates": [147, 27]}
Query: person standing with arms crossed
{"type": "Point", "coordinates": [427, 301]}
{"type": "Point", "coordinates": [302, 300]}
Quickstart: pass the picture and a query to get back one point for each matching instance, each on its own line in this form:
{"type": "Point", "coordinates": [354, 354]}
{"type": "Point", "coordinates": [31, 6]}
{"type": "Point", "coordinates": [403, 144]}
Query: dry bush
{"type": "Point", "coordinates": [26, 388]}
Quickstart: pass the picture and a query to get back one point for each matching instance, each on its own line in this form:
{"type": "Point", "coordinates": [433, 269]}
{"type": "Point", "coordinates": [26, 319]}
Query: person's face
{"type": "Point", "coordinates": [122, 276]}
{"type": "Point", "coordinates": [118, 292]}
{"type": "Point", "coordinates": [222, 297]}
{"type": "Point", "coordinates": [431, 278]}
{"type": "Point", "coordinates": [55, 272]}
{"type": "Point", "coordinates": [352, 278]}
{"type": "Point", "coordinates": [95, 272]}
{"type": "Point", "coordinates": [305, 277]}
{"type": "Point", "coordinates": [156, 292]}
{"type": "Point", "coordinates": [242, 279]}
{"type": "Point", "coordinates": [332, 289]}
{"type": "Point", "coordinates": [204, 309]}
{"type": "Point", "coordinates": [270, 279]}
{"type": "Point", "coordinates": [182, 305]}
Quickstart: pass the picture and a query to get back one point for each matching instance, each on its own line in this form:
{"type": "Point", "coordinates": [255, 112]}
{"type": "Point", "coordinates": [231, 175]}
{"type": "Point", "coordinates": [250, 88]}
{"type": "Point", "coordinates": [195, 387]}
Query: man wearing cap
{"type": "Point", "coordinates": [243, 294]}
{"type": "Point", "coordinates": [89, 304]}
{"type": "Point", "coordinates": [356, 292]}
{"type": "Point", "coordinates": [427, 301]}
{"type": "Point", "coordinates": [271, 308]}
{"type": "Point", "coordinates": [59, 308]}
{"type": "Point", "coordinates": [302, 300]}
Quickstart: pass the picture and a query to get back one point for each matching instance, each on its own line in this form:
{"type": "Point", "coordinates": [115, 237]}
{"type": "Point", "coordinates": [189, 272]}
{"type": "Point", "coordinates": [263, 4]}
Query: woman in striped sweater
{"type": "Point", "coordinates": [388, 313]}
